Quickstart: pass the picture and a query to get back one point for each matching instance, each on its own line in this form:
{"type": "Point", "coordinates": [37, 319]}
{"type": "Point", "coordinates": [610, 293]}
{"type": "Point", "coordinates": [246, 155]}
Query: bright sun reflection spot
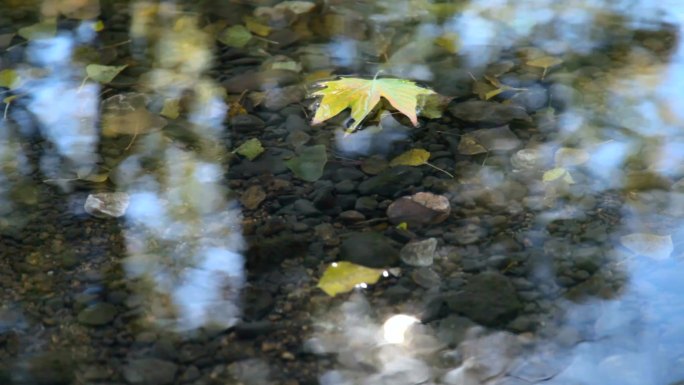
{"type": "Point", "coordinates": [385, 273]}
{"type": "Point", "coordinates": [395, 327]}
{"type": "Point", "coordinates": [334, 264]}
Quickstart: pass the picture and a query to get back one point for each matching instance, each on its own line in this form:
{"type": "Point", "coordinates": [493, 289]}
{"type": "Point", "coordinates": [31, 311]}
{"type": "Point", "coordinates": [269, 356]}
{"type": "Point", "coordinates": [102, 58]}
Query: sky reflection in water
{"type": "Point", "coordinates": [183, 235]}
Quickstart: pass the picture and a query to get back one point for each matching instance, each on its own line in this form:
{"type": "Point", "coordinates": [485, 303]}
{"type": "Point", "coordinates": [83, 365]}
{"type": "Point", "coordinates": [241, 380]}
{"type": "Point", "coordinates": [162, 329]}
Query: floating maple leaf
{"type": "Point", "coordinates": [362, 95]}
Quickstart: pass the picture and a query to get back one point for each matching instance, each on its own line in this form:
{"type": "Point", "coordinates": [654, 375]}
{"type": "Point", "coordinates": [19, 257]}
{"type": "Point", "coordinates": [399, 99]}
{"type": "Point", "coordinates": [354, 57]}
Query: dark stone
{"type": "Point", "coordinates": [488, 298]}
{"type": "Point", "coordinates": [145, 371]}
{"type": "Point", "coordinates": [491, 113]}
{"type": "Point", "coordinates": [369, 249]}
{"type": "Point", "coordinates": [98, 314]}
{"type": "Point", "coordinates": [272, 161]}
{"type": "Point", "coordinates": [296, 123]}
{"type": "Point", "coordinates": [258, 302]}
{"type": "Point", "coordinates": [246, 121]}
{"type": "Point", "coordinates": [366, 205]}
{"type": "Point", "coordinates": [305, 207]}
{"type": "Point", "coordinates": [391, 181]}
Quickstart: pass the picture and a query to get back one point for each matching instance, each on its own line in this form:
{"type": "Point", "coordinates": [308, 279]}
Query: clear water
{"type": "Point", "coordinates": [560, 261]}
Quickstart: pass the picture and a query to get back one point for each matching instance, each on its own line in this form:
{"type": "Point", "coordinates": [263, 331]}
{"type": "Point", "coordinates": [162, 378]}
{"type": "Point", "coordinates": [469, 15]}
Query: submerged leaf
{"type": "Point", "coordinates": [309, 164]}
{"type": "Point", "coordinates": [250, 149]}
{"type": "Point", "coordinates": [103, 74]}
{"type": "Point", "coordinates": [544, 62]}
{"type": "Point", "coordinates": [558, 173]}
{"type": "Point", "coordinates": [649, 245]}
{"type": "Point", "coordinates": [43, 29]}
{"type": "Point", "coordinates": [171, 109]}
{"type": "Point", "coordinates": [341, 277]}
{"type": "Point", "coordinates": [413, 157]}
{"type": "Point", "coordinates": [236, 36]}
{"type": "Point", "coordinates": [254, 26]}
{"type": "Point", "coordinates": [9, 78]}
{"type": "Point", "coordinates": [363, 95]}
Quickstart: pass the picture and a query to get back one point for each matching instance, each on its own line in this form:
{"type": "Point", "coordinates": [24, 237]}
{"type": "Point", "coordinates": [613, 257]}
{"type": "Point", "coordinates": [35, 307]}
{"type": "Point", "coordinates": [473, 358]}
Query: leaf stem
{"type": "Point", "coordinates": [441, 169]}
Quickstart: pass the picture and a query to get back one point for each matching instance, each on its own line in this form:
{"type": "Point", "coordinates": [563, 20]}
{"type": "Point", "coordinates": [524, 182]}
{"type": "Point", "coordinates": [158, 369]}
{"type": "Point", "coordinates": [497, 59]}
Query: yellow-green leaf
{"type": "Point", "coordinates": [255, 27]}
{"type": "Point", "coordinates": [362, 95]}
{"type": "Point", "coordinates": [103, 74]}
{"type": "Point", "coordinates": [171, 109]}
{"type": "Point", "coordinates": [43, 29]}
{"type": "Point", "coordinates": [250, 149]}
{"type": "Point", "coordinates": [98, 26]}
{"type": "Point", "coordinates": [413, 157]}
{"type": "Point", "coordinates": [9, 79]}
{"type": "Point", "coordinates": [236, 36]}
{"type": "Point", "coordinates": [567, 157]}
{"type": "Point", "coordinates": [544, 62]}
{"type": "Point", "coordinates": [341, 277]}
{"type": "Point", "coordinates": [558, 173]}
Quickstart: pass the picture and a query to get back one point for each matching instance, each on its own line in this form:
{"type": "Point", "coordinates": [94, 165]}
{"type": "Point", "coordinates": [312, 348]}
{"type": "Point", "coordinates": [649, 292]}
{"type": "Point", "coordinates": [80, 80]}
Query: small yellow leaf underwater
{"type": "Point", "coordinates": [413, 157]}
{"type": "Point", "coordinates": [342, 277]}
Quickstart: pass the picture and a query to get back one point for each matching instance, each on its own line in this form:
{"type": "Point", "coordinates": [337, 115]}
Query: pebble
{"type": "Point", "coordinates": [252, 197]}
{"type": "Point", "coordinates": [426, 277]}
{"type": "Point", "coordinates": [420, 209]}
{"type": "Point", "coordinates": [277, 98]}
{"type": "Point", "coordinates": [369, 249]}
{"type": "Point", "coordinates": [366, 205]}
{"type": "Point", "coordinates": [351, 216]}
{"type": "Point", "coordinates": [98, 314]}
{"type": "Point", "coordinates": [345, 186]}
{"type": "Point", "coordinates": [144, 371]}
{"type": "Point", "coordinates": [305, 207]}
{"type": "Point", "coordinates": [488, 298]}
{"type": "Point", "coordinates": [390, 181]}
{"type": "Point", "coordinates": [493, 113]}
{"type": "Point", "coordinates": [465, 235]}
{"type": "Point", "coordinates": [419, 253]}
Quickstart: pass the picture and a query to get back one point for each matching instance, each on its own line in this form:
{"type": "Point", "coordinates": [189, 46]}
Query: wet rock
{"type": "Point", "coordinates": [420, 253]}
{"type": "Point", "coordinates": [326, 233]}
{"type": "Point", "coordinates": [466, 234]}
{"type": "Point", "coordinates": [145, 371]}
{"type": "Point", "coordinates": [426, 277]}
{"type": "Point", "coordinates": [104, 205]}
{"type": "Point", "coordinates": [252, 197]}
{"type": "Point", "coordinates": [278, 98]}
{"type": "Point", "coordinates": [127, 114]}
{"type": "Point", "coordinates": [262, 80]}
{"type": "Point", "coordinates": [49, 368]}
{"type": "Point", "coordinates": [391, 180]}
{"type": "Point", "coordinates": [348, 173]}
{"type": "Point", "coordinates": [535, 98]}
{"type": "Point", "coordinates": [345, 186]}
{"type": "Point", "coordinates": [452, 329]}
{"type": "Point", "coordinates": [246, 122]}
{"type": "Point", "coordinates": [190, 374]}
{"type": "Point", "coordinates": [420, 209]}
{"type": "Point", "coordinates": [296, 123]}
{"type": "Point", "coordinates": [351, 216]}
{"type": "Point", "coordinates": [488, 298]}
{"type": "Point", "coordinates": [369, 249]}
{"type": "Point", "coordinates": [258, 303]}
{"type": "Point", "coordinates": [479, 111]}
{"type": "Point", "coordinates": [271, 161]}
{"type": "Point", "coordinates": [98, 314]}
{"type": "Point", "coordinates": [488, 139]}
{"type": "Point", "coordinates": [366, 205]}
{"type": "Point", "coordinates": [374, 165]}
{"type": "Point", "coordinates": [298, 138]}
{"type": "Point", "coordinates": [305, 207]}
{"type": "Point", "coordinates": [528, 159]}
